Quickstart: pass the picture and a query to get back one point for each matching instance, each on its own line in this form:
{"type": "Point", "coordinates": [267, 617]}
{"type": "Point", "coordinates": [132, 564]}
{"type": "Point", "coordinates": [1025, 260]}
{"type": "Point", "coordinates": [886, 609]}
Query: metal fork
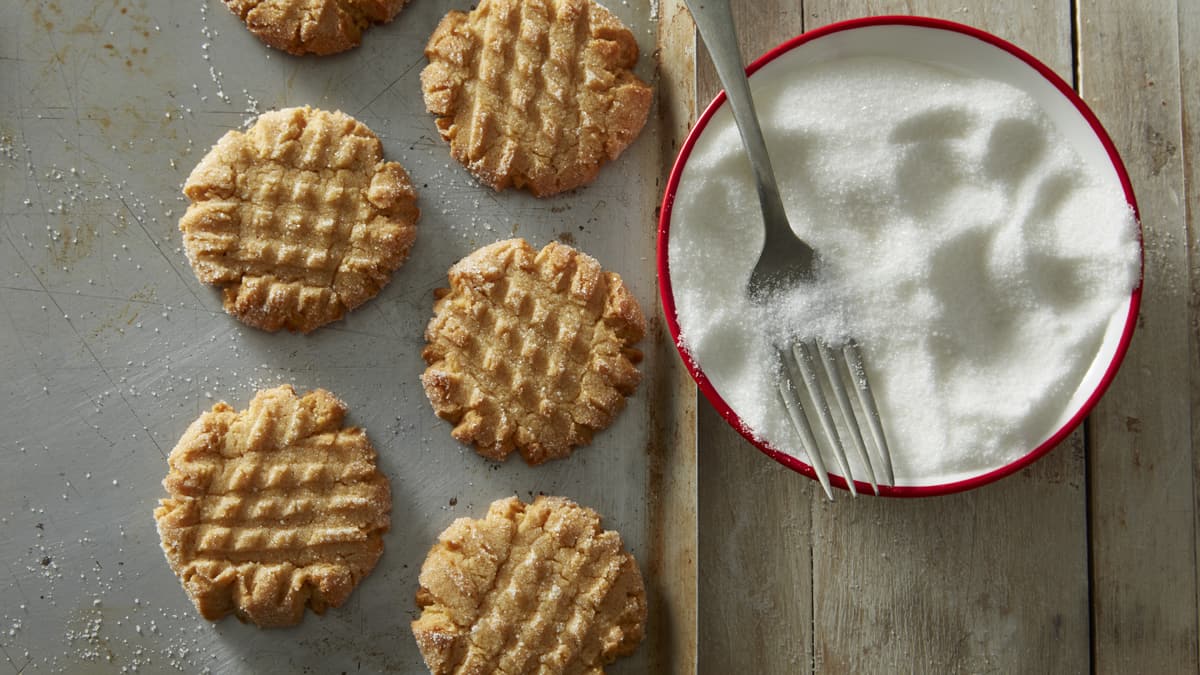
{"type": "Point", "coordinates": [787, 261]}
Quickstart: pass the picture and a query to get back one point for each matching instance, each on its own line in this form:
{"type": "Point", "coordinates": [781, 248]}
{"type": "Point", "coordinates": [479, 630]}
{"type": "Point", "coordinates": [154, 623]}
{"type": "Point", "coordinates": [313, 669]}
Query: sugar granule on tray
{"type": "Point", "coordinates": [961, 240]}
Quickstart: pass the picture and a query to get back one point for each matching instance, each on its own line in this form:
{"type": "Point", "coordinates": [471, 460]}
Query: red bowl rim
{"type": "Point", "coordinates": [794, 463]}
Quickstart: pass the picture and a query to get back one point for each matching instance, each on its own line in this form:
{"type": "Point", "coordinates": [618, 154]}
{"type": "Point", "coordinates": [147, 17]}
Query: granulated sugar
{"type": "Point", "coordinates": [961, 241]}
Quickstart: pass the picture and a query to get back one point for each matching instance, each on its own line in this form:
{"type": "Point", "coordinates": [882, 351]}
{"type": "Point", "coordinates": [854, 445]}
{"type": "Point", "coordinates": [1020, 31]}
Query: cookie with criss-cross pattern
{"type": "Point", "coordinates": [535, 94]}
{"type": "Point", "coordinates": [531, 350]}
{"type": "Point", "coordinates": [530, 588]}
{"type": "Point", "coordinates": [313, 26]}
{"type": "Point", "coordinates": [273, 509]}
{"type": "Point", "coordinates": [299, 218]}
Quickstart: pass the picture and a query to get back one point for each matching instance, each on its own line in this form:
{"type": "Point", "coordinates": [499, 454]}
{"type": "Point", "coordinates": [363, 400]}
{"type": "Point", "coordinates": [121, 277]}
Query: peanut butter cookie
{"type": "Point", "coordinates": [313, 26]}
{"type": "Point", "coordinates": [531, 351]}
{"type": "Point", "coordinates": [299, 218]}
{"type": "Point", "coordinates": [538, 588]}
{"type": "Point", "coordinates": [273, 508]}
{"type": "Point", "coordinates": [535, 94]}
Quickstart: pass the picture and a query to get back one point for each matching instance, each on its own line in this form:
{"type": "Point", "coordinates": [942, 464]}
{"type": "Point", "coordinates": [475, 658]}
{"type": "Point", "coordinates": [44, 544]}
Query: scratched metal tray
{"type": "Point", "coordinates": [109, 346]}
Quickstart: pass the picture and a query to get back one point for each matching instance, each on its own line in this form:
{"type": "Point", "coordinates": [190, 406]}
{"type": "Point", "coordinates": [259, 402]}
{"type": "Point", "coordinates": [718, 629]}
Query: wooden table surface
{"type": "Point", "coordinates": [1085, 561]}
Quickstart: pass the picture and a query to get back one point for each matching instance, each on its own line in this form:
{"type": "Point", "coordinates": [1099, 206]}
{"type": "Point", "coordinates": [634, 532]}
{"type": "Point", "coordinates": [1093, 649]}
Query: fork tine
{"type": "Point", "coordinates": [791, 401]}
{"type": "Point", "coordinates": [839, 393]}
{"type": "Point", "coordinates": [804, 360]}
{"type": "Point", "coordinates": [867, 400]}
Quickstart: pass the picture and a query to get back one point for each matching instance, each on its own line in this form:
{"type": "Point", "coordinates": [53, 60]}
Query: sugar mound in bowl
{"type": "Point", "coordinates": [976, 236]}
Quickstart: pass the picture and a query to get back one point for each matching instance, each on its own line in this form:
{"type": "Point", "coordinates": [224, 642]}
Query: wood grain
{"type": "Point", "coordinates": [755, 536]}
{"type": "Point", "coordinates": [1084, 562]}
{"type": "Point", "coordinates": [673, 459]}
{"type": "Point", "coordinates": [1189, 62]}
{"type": "Point", "coordinates": [993, 580]}
{"type": "Point", "coordinates": [1142, 476]}
{"type": "Point", "coordinates": [989, 581]}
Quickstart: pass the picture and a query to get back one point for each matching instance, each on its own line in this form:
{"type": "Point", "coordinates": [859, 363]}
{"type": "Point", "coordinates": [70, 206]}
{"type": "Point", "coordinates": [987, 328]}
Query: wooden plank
{"type": "Point", "coordinates": [673, 459]}
{"type": "Point", "coordinates": [1142, 467]}
{"type": "Point", "coordinates": [993, 580]}
{"type": "Point", "coordinates": [990, 581]}
{"type": "Point", "coordinates": [755, 558]}
{"type": "Point", "coordinates": [1189, 62]}
{"type": "Point", "coordinates": [755, 540]}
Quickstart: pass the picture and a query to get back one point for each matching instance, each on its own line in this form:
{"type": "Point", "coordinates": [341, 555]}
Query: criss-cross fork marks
{"type": "Point", "coordinates": [537, 588]}
{"type": "Point", "coordinates": [313, 26]}
{"type": "Point", "coordinates": [531, 350]}
{"type": "Point", "coordinates": [535, 93]}
{"type": "Point", "coordinates": [273, 508]}
{"type": "Point", "coordinates": [299, 218]}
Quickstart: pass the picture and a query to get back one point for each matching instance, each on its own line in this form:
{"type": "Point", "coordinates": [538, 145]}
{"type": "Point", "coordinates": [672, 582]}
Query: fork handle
{"type": "Point", "coordinates": [714, 19]}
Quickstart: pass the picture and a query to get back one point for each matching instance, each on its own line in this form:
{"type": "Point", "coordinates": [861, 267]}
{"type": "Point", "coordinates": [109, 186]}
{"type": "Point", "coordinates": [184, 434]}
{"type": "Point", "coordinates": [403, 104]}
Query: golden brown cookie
{"type": "Point", "coordinates": [273, 508]}
{"type": "Point", "coordinates": [313, 26]}
{"type": "Point", "coordinates": [535, 94]}
{"type": "Point", "coordinates": [531, 350]}
{"type": "Point", "coordinates": [299, 218]}
{"type": "Point", "coordinates": [538, 588]}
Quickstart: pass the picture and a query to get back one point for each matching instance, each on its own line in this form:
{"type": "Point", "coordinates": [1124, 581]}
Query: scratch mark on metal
{"type": "Point", "coordinates": [491, 195]}
{"type": "Point", "coordinates": [17, 583]}
{"type": "Point", "coordinates": [110, 298]}
{"type": "Point", "coordinates": [111, 442]}
{"type": "Point", "coordinates": [88, 348]}
{"type": "Point", "coordinates": [351, 331]}
{"type": "Point", "coordinates": [102, 28]}
{"type": "Point", "coordinates": [20, 339]}
{"type": "Point", "coordinates": [383, 320]}
{"type": "Point", "coordinates": [391, 84]}
{"type": "Point", "coordinates": [10, 661]}
{"type": "Point", "coordinates": [199, 303]}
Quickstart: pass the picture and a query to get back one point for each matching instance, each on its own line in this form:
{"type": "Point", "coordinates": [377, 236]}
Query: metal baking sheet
{"type": "Point", "coordinates": [109, 347]}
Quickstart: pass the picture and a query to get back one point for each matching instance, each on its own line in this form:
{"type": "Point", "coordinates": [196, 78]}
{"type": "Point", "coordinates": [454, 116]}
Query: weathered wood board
{"type": "Point", "coordinates": [1086, 560]}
